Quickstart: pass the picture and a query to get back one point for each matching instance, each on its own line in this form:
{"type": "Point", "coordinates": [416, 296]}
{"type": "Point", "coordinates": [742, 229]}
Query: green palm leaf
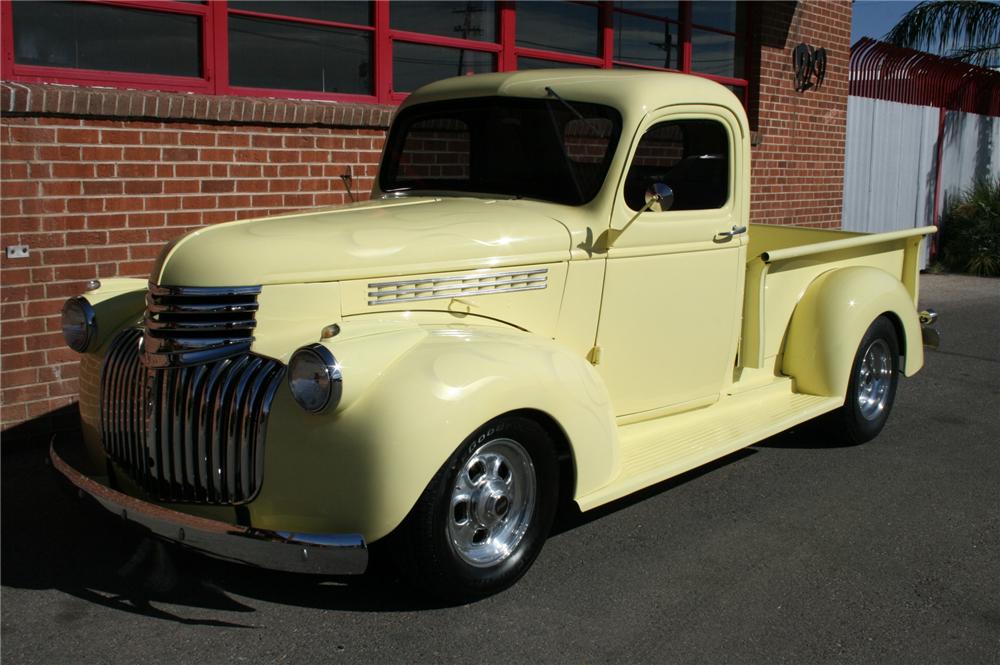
{"type": "Point", "coordinates": [963, 29]}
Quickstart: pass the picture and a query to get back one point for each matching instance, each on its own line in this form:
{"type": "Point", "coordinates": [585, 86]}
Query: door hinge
{"type": "Point", "coordinates": [594, 355]}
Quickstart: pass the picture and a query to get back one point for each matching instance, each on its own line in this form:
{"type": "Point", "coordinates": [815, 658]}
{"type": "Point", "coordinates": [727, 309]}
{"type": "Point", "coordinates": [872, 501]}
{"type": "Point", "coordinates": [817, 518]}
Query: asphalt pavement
{"type": "Point", "coordinates": [797, 550]}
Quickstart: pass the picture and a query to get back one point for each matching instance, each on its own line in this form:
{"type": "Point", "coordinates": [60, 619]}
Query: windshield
{"type": "Point", "coordinates": [536, 148]}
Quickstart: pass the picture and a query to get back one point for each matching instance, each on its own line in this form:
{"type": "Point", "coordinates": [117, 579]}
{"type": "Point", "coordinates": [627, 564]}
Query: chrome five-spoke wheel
{"type": "Point", "coordinates": [874, 377]}
{"type": "Point", "coordinates": [492, 502]}
{"type": "Point", "coordinates": [872, 384]}
{"type": "Point", "coordinates": [485, 515]}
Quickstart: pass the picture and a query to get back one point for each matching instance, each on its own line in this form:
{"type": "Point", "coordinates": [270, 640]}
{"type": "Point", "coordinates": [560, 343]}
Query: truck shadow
{"type": "Point", "coordinates": [51, 539]}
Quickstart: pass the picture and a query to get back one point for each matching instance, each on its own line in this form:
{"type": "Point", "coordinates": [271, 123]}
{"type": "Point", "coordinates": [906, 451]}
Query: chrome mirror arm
{"type": "Point", "coordinates": [657, 193]}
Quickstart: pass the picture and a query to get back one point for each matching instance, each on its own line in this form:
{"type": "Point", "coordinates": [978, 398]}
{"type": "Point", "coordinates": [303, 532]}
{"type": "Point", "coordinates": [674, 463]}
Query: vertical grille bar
{"type": "Point", "coordinates": [183, 377]}
{"type": "Point", "coordinates": [136, 459]}
{"type": "Point", "coordinates": [226, 414]}
{"type": "Point", "coordinates": [187, 433]}
{"type": "Point", "coordinates": [260, 426]}
{"type": "Point", "coordinates": [195, 441]}
{"type": "Point", "coordinates": [247, 435]}
{"type": "Point", "coordinates": [116, 385]}
{"type": "Point", "coordinates": [151, 444]}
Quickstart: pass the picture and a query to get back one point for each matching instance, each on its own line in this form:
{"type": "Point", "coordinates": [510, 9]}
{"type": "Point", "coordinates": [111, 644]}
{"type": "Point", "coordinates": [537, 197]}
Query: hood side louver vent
{"type": "Point", "coordinates": [457, 286]}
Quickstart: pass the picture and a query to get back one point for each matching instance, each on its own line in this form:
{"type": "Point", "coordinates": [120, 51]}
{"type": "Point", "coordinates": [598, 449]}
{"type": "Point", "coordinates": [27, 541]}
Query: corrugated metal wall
{"type": "Point", "coordinates": [890, 169]}
{"type": "Point", "coordinates": [889, 165]}
{"type": "Point", "coordinates": [971, 152]}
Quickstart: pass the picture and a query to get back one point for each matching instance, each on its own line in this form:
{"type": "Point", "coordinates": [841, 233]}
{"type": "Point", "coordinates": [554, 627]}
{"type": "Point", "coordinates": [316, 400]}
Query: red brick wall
{"type": "Point", "coordinates": [98, 198]}
{"type": "Point", "coordinates": [798, 166]}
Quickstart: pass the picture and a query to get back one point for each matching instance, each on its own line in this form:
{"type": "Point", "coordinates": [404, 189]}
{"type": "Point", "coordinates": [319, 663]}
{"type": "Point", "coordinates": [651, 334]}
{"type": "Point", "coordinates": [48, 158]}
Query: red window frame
{"type": "Point", "coordinates": [214, 17]}
{"type": "Point", "coordinates": [685, 26]}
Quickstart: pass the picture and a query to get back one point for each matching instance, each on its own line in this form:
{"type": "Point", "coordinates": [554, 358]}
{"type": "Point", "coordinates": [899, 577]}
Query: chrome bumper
{"type": "Point", "coordinates": [931, 337]}
{"type": "Point", "coordinates": [328, 554]}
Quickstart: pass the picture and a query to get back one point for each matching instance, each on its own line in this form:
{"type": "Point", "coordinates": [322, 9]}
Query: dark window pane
{"type": "Point", "coordinates": [88, 36]}
{"type": "Point", "coordinates": [502, 146]}
{"type": "Point", "coordinates": [739, 91]}
{"type": "Point", "coordinates": [558, 26]}
{"type": "Point", "coordinates": [662, 9]}
{"type": "Point", "coordinates": [691, 156]}
{"type": "Point", "coordinates": [465, 20]}
{"type": "Point", "coordinates": [713, 53]}
{"type": "Point", "coordinates": [435, 150]}
{"type": "Point", "coordinates": [586, 141]}
{"type": "Point", "coordinates": [413, 65]}
{"type": "Point", "coordinates": [294, 56]}
{"type": "Point", "coordinates": [722, 15]}
{"type": "Point", "coordinates": [646, 42]}
{"type": "Point", "coordinates": [358, 13]}
{"type": "Point", "coordinates": [537, 63]}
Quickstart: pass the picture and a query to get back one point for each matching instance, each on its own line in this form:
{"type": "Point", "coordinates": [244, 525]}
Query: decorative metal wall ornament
{"type": "Point", "coordinates": [808, 62]}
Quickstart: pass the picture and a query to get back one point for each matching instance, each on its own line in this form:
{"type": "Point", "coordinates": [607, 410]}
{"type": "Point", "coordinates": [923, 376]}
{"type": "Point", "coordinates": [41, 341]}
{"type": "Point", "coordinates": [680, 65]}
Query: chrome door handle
{"type": "Point", "coordinates": [736, 230]}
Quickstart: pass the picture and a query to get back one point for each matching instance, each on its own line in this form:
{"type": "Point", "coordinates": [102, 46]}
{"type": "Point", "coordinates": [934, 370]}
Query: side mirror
{"type": "Point", "coordinates": [659, 197]}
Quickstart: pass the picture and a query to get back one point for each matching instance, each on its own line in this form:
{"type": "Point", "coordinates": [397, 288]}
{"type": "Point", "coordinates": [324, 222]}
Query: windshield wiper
{"type": "Point", "coordinates": [574, 111]}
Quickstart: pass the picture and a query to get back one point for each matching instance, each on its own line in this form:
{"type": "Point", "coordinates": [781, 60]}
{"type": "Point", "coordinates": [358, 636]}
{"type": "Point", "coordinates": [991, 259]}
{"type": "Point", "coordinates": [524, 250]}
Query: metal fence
{"type": "Point", "coordinates": [914, 142]}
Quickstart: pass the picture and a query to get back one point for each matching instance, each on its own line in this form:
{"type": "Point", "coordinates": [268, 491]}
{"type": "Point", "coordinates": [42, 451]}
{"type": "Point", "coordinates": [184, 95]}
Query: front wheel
{"type": "Point", "coordinates": [485, 515]}
{"type": "Point", "coordinates": [872, 388]}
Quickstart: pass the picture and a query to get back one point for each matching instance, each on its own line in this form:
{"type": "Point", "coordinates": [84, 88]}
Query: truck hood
{"type": "Point", "coordinates": [371, 239]}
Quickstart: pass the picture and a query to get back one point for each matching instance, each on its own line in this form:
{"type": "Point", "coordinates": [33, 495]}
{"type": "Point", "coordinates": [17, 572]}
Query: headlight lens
{"type": "Point", "coordinates": [79, 323]}
{"type": "Point", "coordinates": [314, 378]}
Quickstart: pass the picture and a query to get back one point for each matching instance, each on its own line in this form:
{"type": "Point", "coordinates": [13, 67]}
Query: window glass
{"type": "Point", "coordinates": [294, 56]}
{"type": "Point", "coordinates": [586, 140]}
{"type": "Point", "coordinates": [413, 65]}
{"type": "Point", "coordinates": [536, 148]}
{"type": "Point", "coordinates": [718, 14]}
{"type": "Point", "coordinates": [358, 13]}
{"type": "Point", "coordinates": [646, 42]}
{"type": "Point", "coordinates": [91, 36]}
{"type": "Point", "coordinates": [558, 26]}
{"type": "Point", "coordinates": [435, 149]}
{"type": "Point", "coordinates": [668, 10]}
{"type": "Point", "coordinates": [691, 156]}
{"type": "Point", "coordinates": [714, 53]}
{"type": "Point", "coordinates": [465, 20]}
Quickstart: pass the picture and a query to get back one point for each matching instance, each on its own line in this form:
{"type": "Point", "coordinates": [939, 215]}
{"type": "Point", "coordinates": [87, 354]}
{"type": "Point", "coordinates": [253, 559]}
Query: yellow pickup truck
{"type": "Point", "coordinates": [553, 293]}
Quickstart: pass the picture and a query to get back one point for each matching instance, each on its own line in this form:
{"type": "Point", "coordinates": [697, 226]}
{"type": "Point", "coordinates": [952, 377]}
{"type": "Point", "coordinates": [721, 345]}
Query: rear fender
{"type": "Point", "coordinates": [832, 317]}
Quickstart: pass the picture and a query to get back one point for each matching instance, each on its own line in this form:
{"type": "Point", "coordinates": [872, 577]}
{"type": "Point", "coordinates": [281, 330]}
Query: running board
{"type": "Point", "coordinates": [654, 450]}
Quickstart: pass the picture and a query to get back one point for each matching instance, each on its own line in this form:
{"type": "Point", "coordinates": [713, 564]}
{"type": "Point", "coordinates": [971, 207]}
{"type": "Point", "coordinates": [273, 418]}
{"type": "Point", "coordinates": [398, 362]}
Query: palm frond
{"type": "Point", "coordinates": [949, 25]}
{"type": "Point", "coordinates": [987, 55]}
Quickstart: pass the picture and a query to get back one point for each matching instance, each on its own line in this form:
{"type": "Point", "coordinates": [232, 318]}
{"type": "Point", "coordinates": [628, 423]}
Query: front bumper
{"type": "Point", "coordinates": [328, 554]}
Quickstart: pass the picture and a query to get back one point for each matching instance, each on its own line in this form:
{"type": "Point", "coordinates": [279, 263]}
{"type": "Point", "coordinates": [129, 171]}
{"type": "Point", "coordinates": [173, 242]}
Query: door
{"type": "Point", "coordinates": [673, 284]}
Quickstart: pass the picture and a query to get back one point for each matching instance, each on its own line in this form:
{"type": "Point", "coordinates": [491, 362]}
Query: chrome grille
{"type": "Point", "coordinates": [191, 434]}
{"type": "Point", "coordinates": [188, 325]}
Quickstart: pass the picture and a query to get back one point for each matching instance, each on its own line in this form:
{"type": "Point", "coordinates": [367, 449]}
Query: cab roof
{"type": "Point", "coordinates": [629, 91]}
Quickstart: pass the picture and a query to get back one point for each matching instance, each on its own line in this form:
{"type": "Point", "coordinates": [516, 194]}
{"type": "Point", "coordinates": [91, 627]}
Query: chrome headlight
{"type": "Point", "coordinates": [79, 323]}
{"type": "Point", "coordinates": [314, 378]}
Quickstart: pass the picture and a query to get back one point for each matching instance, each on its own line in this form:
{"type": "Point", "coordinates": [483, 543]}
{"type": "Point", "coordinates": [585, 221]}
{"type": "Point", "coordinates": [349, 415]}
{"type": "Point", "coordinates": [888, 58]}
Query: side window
{"type": "Point", "coordinates": [691, 156]}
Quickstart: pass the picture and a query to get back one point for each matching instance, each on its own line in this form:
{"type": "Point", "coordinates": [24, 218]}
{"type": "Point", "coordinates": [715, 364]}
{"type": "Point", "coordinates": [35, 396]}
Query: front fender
{"type": "Point", "coordinates": [832, 317]}
{"type": "Point", "coordinates": [362, 468]}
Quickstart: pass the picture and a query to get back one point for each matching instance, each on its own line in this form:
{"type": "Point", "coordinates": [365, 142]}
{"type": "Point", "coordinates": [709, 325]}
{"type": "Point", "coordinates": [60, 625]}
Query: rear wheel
{"type": "Point", "coordinates": [872, 388]}
{"type": "Point", "coordinates": [485, 515]}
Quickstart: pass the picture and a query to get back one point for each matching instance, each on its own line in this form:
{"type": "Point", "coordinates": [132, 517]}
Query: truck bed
{"type": "Point", "coordinates": [783, 260]}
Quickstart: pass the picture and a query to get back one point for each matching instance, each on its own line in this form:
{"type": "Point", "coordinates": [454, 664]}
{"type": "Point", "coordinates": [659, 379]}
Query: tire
{"type": "Point", "coordinates": [872, 387]}
{"type": "Point", "coordinates": [485, 515]}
